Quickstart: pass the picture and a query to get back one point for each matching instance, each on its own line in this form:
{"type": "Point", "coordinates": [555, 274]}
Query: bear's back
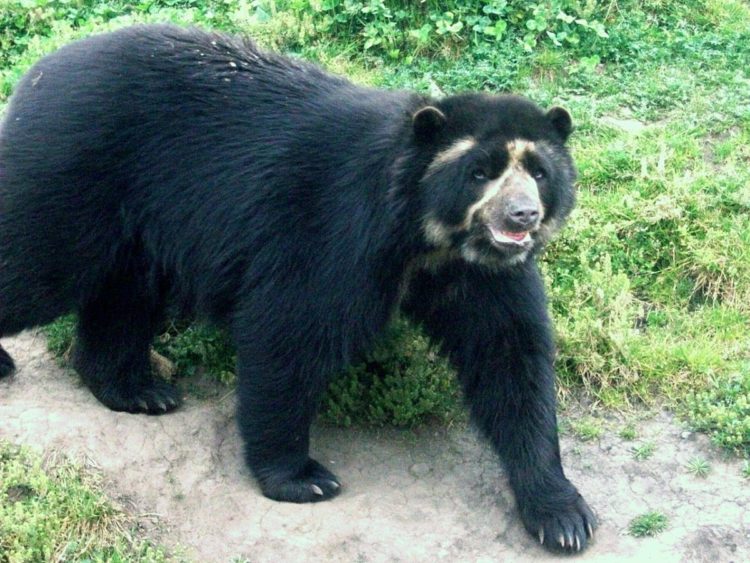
{"type": "Point", "coordinates": [223, 162]}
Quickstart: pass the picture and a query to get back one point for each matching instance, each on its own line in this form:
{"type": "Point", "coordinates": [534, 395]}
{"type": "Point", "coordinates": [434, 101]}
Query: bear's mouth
{"type": "Point", "coordinates": [502, 237]}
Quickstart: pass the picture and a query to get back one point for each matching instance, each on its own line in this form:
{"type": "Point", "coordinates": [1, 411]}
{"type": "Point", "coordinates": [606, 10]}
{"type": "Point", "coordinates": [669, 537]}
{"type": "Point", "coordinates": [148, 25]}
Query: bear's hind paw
{"type": "Point", "coordinates": [313, 483]}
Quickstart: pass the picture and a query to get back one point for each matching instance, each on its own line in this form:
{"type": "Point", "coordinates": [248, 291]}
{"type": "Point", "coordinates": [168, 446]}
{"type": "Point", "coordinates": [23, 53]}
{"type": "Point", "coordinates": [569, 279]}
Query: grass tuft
{"type": "Point", "coordinates": [698, 467]}
{"type": "Point", "coordinates": [628, 432]}
{"type": "Point", "coordinates": [52, 509]}
{"type": "Point", "coordinates": [643, 451]}
{"type": "Point", "coordinates": [586, 429]}
{"type": "Point", "coordinates": [649, 524]}
{"type": "Point", "coordinates": [724, 409]}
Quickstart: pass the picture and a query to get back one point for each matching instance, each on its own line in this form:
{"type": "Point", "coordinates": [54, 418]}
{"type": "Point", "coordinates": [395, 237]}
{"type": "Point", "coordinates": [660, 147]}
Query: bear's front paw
{"type": "Point", "coordinates": [155, 397]}
{"type": "Point", "coordinates": [312, 483]}
{"type": "Point", "coordinates": [567, 528]}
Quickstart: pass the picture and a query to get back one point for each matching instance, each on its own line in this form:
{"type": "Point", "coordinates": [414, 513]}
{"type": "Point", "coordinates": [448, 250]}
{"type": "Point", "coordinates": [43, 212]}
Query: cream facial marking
{"type": "Point", "coordinates": [436, 232]}
{"type": "Point", "coordinates": [514, 177]}
{"type": "Point", "coordinates": [471, 255]}
{"type": "Point", "coordinates": [491, 191]}
{"type": "Point", "coordinates": [451, 154]}
{"type": "Point", "coordinates": [517, 148]}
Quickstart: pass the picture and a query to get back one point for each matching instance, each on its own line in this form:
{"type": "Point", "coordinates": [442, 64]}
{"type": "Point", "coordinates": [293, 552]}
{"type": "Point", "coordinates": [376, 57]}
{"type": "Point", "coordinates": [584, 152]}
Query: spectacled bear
{"type": "Point", "coordinates": [158, 165]}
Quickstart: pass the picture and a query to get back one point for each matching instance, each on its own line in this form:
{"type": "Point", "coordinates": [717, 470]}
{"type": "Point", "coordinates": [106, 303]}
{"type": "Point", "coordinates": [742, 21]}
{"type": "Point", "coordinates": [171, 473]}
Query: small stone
{"type": "Point", "coordinates": [686, 435]}
{"type": "Point", "coordinates": [420, 469]}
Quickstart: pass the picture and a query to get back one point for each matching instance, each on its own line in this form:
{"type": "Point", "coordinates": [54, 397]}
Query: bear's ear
{"type": "Point", "coordinates": [427, 123]}
{"type": "Point", "coordinates": [561, 121]}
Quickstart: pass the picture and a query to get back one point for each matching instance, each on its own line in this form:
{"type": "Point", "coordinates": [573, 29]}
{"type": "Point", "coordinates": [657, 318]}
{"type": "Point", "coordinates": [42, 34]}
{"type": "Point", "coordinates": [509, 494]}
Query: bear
{"type": "Point", "coordinates": [157, 168]}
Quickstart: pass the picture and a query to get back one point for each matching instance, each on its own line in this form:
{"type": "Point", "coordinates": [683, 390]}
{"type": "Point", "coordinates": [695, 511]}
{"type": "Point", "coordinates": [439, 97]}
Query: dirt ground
{"type": "Point", "coordinates": [428, 495]}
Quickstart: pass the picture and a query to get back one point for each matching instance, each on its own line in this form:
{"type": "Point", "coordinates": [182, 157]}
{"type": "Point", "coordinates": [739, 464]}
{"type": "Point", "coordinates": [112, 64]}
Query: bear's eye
{"type": "Point", "coordinates": [538, 174]}
{"type": "Point", "coordinates": [479, 174]}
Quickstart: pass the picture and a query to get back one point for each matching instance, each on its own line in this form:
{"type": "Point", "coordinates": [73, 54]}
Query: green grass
{"type": "Point", "coordinates": [723, 407]}
{"type": "Point", "coordinates": [643, 451]}
{"type": "Point", "coordinates": [649, 524]}
{"type": "Point", "coordinates": [628, 432]}
{"type": "Point", "coordinates": [586, 429]}
{"type": "Point", "coordinates": [649, 284]}
{"type": "Point", "coordinates": [698, 467]}
{"type": "Point", "coordinates": [52, 509]}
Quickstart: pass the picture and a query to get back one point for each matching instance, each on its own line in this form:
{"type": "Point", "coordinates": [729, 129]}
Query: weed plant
{"type": "Point", "coordinates": [644, 451]}
{"type": "Point", "coordinates": [698, 467]}
{"type": "Point", "coordinates": [649, 524]}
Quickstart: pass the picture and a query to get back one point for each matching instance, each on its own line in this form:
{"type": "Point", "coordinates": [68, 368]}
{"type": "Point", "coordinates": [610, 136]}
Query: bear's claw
{"type": "Point", "coordinates": [571, 526]}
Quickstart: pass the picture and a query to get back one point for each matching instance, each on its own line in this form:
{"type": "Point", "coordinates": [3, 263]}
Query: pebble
{"type": "Point", "coordinates": [420, 469]}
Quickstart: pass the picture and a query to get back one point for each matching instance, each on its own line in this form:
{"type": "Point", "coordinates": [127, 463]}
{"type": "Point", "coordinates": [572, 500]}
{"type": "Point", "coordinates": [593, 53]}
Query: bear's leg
{"type": "Point", "coordinates": [495, 328]}
{"type": "Point", "coordinates": [28, 297]}
{"type": "Point", "coordinates": [276, 407]}
{"type": "Point", "coordinates": [111, 353]}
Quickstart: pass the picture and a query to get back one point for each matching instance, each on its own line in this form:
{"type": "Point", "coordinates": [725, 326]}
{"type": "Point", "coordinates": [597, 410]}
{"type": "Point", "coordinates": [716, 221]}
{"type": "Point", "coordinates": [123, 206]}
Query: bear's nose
{"type": "Point", "coordinates": [522, 213]}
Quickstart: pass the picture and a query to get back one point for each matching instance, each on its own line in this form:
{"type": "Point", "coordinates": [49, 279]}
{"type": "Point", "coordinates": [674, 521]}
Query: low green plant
{"type": "Point", "coordinates": [698, 466]}
{"type": "Point", "coordinates": [52, 509]}
{"type": "Point", "coordinates": [628, 432]}
{"type": "Point", "coordinates": [643, 451]}
{"type": "Point", "coordinates": [403, 381]}
{"type": "Point", "coordinates": [32, 28]}
{"type": "Point", "coordinates": [401, 28]}
{"type": "Point", "coordinates": [60, 335]}
{"type": "Point", "coordinates": [724, 410]}
{"type": "Point", "coordinates": [648, 524]}
{"type": "Point", "coordinates": [586, 428]}
{"type": "Point", "coordinates": [195, 347]}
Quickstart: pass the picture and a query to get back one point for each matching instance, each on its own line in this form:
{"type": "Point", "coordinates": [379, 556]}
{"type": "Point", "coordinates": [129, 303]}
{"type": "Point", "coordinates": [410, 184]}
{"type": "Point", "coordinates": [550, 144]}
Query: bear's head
{"type": "Point", "coordinates": [499, 179]}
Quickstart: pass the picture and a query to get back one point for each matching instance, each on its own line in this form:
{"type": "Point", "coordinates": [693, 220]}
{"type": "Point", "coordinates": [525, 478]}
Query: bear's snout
{"type": "Point", "coordinates": [521, 213]}
{"type": "Point", "coordinates": [516, 212]}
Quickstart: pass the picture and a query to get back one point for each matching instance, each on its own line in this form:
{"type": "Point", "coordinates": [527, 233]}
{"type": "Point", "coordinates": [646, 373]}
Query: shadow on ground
{"type": "Point", "coordinates": [429, 495]}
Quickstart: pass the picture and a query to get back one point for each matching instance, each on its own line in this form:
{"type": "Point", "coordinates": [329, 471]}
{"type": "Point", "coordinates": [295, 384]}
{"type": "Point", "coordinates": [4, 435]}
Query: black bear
{"type": "Point", "coordinates": [157, 165]}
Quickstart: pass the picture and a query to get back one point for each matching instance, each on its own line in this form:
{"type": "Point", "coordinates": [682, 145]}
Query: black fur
{"type": "Point", "coordinates": [159, 165]}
